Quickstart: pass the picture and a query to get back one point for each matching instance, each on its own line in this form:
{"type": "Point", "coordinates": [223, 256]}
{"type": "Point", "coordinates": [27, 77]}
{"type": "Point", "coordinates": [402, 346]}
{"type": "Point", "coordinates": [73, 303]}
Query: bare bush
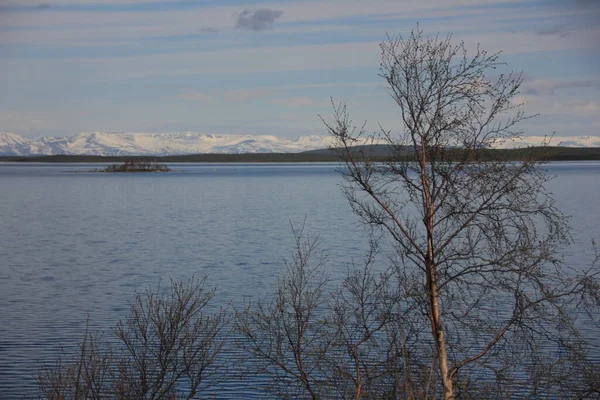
{"type": "Point", "coordinates": [362, 312]}
{"type": "Point", "coordinates": [344, 343]}
{"type": "Point", "coordinates": [167, 348]}
{"type": "Point", "coordinates": [87, 376]}
{"type": "Point", "coordinates": [286, 334]}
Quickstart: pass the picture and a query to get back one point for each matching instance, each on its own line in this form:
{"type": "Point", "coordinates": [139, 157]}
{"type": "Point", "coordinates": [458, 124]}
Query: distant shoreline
{"type": "Point", "coordinates": [377, 152]}
{"type": "Point", "coordinates": [204, 158]}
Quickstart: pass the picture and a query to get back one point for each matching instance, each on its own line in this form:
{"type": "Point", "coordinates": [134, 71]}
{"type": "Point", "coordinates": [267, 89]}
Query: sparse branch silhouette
{"type": "Point", "coordinates": [478, 235]}
{"type": "Point", "coordinates": [167, 348]}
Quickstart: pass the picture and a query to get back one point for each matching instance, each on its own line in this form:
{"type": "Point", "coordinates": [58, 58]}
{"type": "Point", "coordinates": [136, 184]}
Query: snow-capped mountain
{"type": "Point", "coordinates": [126, 144]}
{"type": "Point", "coordinates": [562, 141]}
{"type": "Point", "coordinates": [123, 144]}
{"type": "Point", "coordinates": [12, 144]}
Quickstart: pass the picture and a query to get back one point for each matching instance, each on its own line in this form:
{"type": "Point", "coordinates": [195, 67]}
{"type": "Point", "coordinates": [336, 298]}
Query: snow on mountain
{"type": "Point", "coordinates": [562, 141]}
{"type": "Point", "coordinates": [579, 141]}
{"type": "Point", "coordinates": [124, 144]}
{"type": "Point", "coordinates": [14, 145]}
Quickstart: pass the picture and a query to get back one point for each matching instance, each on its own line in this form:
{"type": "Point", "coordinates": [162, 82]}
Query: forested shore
{"type": "Point", "coordinates": [378, 151]}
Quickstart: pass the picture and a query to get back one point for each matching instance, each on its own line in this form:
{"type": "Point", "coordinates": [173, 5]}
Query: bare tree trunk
{"type": "Point", "coordinates": [437, 329]}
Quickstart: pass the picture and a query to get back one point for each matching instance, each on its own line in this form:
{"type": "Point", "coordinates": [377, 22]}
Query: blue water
{"type": "Point", "coordinates": [74, 245]}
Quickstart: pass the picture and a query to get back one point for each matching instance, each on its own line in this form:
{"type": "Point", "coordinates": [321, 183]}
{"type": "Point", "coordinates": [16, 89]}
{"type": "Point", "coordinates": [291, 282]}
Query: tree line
{"type": "Point", "coordinates": [379, 152]}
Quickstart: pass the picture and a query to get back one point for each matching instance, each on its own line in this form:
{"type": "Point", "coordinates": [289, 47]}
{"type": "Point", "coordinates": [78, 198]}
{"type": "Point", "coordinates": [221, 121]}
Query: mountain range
{"type": "Point", "coordinates": [159, 144]}
{"type": "Point", "coordinates": [165, 144]}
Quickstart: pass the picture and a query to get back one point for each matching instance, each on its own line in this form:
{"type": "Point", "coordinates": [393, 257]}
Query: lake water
{"type": "Point", "coordinates": [74, 245]}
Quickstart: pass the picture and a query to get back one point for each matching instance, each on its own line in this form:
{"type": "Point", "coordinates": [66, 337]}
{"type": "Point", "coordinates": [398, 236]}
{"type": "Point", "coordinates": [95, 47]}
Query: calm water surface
{"type": "Point", "coordinates": [74, 245]}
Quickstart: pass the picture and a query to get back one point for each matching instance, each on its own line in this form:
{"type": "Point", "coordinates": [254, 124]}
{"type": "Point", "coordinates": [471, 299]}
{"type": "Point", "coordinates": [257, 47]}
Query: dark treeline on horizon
{"type": "Point", "coordinates": [376, 152]}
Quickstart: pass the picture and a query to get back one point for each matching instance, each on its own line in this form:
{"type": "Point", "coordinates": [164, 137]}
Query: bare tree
{"type": "Point", "coordinates": [167, 348]}
{"type": "Point", "coordinates": [286, 334]}
{"type": "Point", "coordinates": [341, 344]}
{"type": "Point", "coordinates": [168, 341]}
{"type": "Point", "coordinates": [477, 236]}
{"type": "Point", "coordinates": [363, 312]}
{"type": "Point", "coordinates": [86, 377]}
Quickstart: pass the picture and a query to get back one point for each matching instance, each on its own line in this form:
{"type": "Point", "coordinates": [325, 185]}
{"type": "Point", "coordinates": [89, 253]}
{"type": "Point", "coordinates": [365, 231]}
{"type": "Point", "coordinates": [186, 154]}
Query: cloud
{"type": "Point", "coordinates": [554, 30]}
{"type": "Point", "coordinates": [166, 86]}
{"type": "Point", "coordinates": [562, 112]}
{"type": "Point", "coordinates": [582, 108]}
{"type": "Point", "coordinates": [300, 101]}
{"type": "Point", "coordinates": [29, 3]}
{"type": "Point", "coordinates": [44, 6]}
{"type": "Point", "coordinates": [230, 96]}
{"type": "Point", "coordinates": [586, 3]}
{"type": "Point", "coordinates": [194, 96]}
{"type": "Point", "coordinates": [528, 101]}
{"type": "Point", "coordinates": [243, 95]}
{"type": "Point", "coordinates": [258, 20]}
{"type": "Point", "coordinates": [29, 123]}
{"type": "Point", "coordinates": [542, 87]}
{"type": "Point", "coordinates": [209, 29]}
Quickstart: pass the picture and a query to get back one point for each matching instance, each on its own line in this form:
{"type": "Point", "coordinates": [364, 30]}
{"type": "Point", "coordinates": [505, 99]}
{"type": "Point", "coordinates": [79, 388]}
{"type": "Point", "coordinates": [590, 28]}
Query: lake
{"type": "Point", "coordinates": [74, 245]}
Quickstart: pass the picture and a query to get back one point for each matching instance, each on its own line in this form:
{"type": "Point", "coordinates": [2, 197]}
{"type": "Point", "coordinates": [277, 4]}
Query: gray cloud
{"type": "Point", "coordinates": [586, 3]}
{"type": "Point", "coordinates": [44, 6]}
{"type": "Point", "coordinates": [209, 29]}
{"type": "Point", "coordinates": [258, 20]}
{"type": "Point", "coordinates": [549, 87]}
{"type": "Point", "coordinates": [554, 30]}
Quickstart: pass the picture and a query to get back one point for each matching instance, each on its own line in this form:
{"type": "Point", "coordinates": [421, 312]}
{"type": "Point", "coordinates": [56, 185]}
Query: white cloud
{"type": "Point", "coordinates": [565, 115]}
{"type": "Point", "coordinates": [36, 3]}
{"type": "Point", "coordinates": [244, 95]}
{"type": "Point", "coordinates": [283, 50]}
{"type": "Point", "coordinates": [29, 122]}
{"type": "Point", "coordinates": [580, 108]}
{"type": "Point", "coordinates": [280, 58]}
{"type": "Point", "coordinates": [209, 29]}
{"type": "Point", "coordinates": [232, 61]}
{"type": "Point", "coordinates": [194, 96]}
{"type": "Point", "coordinates": [529, 42]}
{"type": "Point", "coordinates": [540, 87]}
{"type": "Point", "coordinates": [332, 9]}
{"type": "Point", "coordinates": [299, 101]}
{"type": "Point", "coordinates": [527, 100]}
{"type": "Point", "coordinates": [104, 25]}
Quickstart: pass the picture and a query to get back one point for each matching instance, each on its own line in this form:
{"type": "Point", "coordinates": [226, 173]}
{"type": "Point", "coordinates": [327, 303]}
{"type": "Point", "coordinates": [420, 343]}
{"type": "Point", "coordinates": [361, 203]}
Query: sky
{"type": "Point", "coordinates": [271, 67]}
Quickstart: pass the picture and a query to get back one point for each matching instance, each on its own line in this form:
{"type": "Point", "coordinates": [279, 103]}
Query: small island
{"type": "Point", "coordinates": [132, 166]}
{"type": "Point", "coordinates": [137, 166]}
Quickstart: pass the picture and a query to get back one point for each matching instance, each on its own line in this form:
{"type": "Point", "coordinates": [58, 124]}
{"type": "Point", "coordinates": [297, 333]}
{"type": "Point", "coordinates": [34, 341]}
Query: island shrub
{"type": "Point", "coordinates": [137, 166]}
